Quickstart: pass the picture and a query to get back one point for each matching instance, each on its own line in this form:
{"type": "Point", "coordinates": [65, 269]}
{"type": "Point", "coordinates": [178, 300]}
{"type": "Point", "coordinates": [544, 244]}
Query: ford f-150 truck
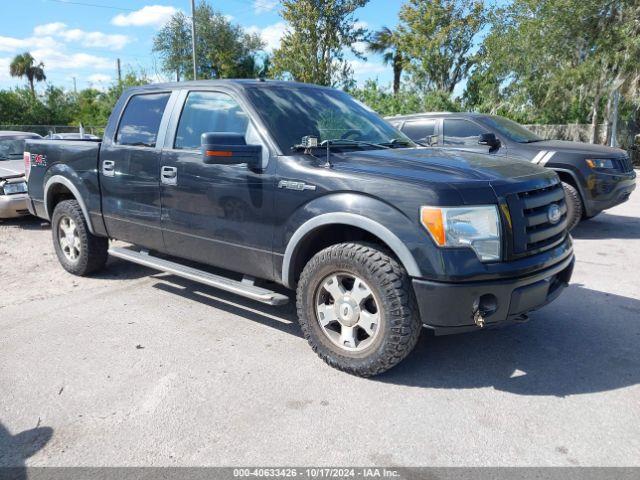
{"type": "Point", "coordinates": [595, 177]}
{"type": "Point", "coordinates": [240, 184]}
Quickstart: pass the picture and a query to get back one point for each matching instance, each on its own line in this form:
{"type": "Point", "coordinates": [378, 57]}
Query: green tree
{"type": "Point", "coordinates": [24, 65]}
{"type": "Point", "coordinates": [439, 38]}
{"type": "Point", "coordinates": [223, 49]}
{"type": "Point", "coordinates": [558, 60]}
{"type": "Point", "coordinates": [173, 43]}
{"type": "Point", "coordinates": [385, 42]}
{"type": "Point", "coordinates": [319, 34]}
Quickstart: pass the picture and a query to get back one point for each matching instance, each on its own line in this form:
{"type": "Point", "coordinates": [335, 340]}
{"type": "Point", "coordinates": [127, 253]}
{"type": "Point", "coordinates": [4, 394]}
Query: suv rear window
{"type": "Point", "coordinates": [141, 120]}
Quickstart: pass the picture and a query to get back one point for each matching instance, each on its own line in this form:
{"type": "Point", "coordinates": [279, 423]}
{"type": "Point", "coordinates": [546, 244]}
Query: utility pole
{"type": "Point", "coordinates": [75, 87]}
{"type": "Point", "coordinates": [119, 74]}
{"type": "Point", "coordinates": [193, 37]}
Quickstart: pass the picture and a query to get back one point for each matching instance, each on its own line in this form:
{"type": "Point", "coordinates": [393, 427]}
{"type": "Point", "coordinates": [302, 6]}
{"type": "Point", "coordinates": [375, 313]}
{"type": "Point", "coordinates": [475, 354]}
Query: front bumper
{"type": "Point", "coordinates": [12, 206]}
{"type": "Point", "coordinates": [606, 191]}
{"type": "Point", "coordinates": [449, 307]}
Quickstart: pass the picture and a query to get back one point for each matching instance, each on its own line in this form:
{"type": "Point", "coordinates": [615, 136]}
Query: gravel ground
{"type": "Point", "coordinates": [132, 367]}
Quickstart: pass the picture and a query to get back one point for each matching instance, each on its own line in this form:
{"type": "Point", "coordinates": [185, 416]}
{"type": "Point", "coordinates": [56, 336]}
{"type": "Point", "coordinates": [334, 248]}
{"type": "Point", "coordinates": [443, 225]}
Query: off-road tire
{"type": "Point", "coordinates": [93, 249]}
{"type": "Point", "coordinates": [574, 205]}
{"type": "Point", "coordinates": [400, 321]}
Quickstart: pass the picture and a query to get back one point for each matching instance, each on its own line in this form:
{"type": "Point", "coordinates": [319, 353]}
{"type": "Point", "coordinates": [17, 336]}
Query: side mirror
{"type": "Point", "coordinates": [229, 149]}
{"type": "Point", "coordinates": [488, 139]}
{"type": "Point", "coordinates": [428, 141]}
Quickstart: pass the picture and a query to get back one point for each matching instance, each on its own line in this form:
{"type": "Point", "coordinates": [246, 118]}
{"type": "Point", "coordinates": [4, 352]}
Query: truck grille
{"type": "Point", "coordinates": [533, 230]}
{"type": "Point", "coordinates": [625, 164]}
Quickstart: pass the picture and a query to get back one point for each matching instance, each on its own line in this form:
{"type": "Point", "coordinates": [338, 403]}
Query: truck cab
{"type": "Point", "coordinates": [259, 183]}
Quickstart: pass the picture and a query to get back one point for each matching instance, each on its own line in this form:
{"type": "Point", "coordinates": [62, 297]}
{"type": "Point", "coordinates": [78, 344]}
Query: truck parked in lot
{"type": "Point", "coordinates": [595, 177]}
{"type": "Point", "coordinates": [303, 186]}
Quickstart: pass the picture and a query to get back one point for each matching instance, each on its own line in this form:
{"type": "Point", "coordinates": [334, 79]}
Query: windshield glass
{"type": "Point", "coordinates": [11, 149]}
{"type": "Point", "coordinates": [291, 113]}
{"type": "Point", "coordinates": [512, 130]}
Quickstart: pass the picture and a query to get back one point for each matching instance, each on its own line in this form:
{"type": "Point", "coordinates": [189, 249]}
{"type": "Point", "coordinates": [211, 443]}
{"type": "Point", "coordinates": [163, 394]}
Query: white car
{"type": "Point", "coordinates": [13, 187]}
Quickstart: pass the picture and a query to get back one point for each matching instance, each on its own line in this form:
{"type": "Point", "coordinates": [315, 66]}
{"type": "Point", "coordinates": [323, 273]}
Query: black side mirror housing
{"type": "Point", "coordinates": [489, 139]}
{"type": "Point", "coordinates": [230, 149]}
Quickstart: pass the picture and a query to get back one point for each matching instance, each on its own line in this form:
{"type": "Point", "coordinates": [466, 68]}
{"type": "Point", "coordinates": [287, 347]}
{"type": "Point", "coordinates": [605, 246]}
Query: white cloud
{"type": "Point", "coordinates": [49, 28]}
{"type": "Point", "coordinates": [271, 34]}
{"type": "Point", "coordinates": [150, 15]}
{"type": "Point", "coordinates": [57, 60]}
{"type": "Point", "coordinates": [81, 37]}
{"type": "Point", "coordinates": [99, 78]}
{"type": "Point", "coordinates": [362, 68]}
{"type": "Point", "coordinates": [11, 44]}
{"type": "Point", "coordinates": [263, 6]}
{"type": "Point", "coordinates": [4, 69]}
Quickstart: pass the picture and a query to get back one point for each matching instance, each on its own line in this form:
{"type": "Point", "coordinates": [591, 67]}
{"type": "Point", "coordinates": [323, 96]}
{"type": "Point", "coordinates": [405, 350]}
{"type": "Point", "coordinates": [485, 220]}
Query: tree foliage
{"type": "Point", "coordinates": [386, 42]}
{"type": "Point", "coordinates": [223, 49]}
{"type": "Point", "coordinates": [557, 61]}
{"type": "Point", "coordinates": [319, 33]}
{"type": "Point", "coordinates": [438, 37]}
{"type": "Point", "coordinates": [24, 65]}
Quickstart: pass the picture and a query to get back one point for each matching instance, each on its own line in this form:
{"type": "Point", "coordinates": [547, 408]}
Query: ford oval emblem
{"type": "Point", "coordinates": [554, 214]}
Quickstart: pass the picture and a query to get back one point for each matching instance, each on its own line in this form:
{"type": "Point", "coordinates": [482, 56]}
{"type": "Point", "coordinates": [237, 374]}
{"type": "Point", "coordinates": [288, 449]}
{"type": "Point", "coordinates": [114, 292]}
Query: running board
{"type": "Point", "coordinates": [244, 288]}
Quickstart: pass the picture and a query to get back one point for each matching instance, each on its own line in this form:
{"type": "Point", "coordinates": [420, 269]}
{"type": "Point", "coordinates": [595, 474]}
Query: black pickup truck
{"type": "Point", "coordinates": [253, 183]}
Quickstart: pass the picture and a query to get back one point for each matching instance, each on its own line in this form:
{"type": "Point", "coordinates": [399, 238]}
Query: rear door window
{"type": "Point", "coordinates": [141, 120]}
{"type": "Point", "coordinates": [420, 130]}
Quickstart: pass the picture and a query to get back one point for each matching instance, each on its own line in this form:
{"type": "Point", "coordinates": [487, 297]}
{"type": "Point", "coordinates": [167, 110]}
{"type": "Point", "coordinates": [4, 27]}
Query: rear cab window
{"type": "Point", "coordinates": [141, 119]}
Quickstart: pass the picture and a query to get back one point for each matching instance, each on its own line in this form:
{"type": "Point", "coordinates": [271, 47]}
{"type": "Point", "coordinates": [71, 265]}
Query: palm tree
{"type": "Point", "coordinates": [385, 42]}
{"type": "Point", "coordinates": [24, 65]}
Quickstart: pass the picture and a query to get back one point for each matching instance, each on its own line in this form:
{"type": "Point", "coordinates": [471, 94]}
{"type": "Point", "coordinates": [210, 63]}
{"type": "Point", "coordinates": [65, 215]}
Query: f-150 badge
{"type": "Point", "coordinates": [293, 185]}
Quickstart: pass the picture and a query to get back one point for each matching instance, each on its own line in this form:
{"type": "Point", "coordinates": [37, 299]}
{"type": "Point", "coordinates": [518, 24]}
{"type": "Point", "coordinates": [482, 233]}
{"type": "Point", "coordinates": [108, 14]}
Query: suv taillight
{"type": "Point", "coordinates": [27, 164]}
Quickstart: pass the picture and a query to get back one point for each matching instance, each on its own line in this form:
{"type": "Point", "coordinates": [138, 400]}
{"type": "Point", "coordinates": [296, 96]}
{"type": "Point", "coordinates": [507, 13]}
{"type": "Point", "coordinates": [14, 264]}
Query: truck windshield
{"type": "Point", "coordinates": [11, 149]}
{"type": "Point", "coordinates": [512, 130]}
{"type": "Point", "coordinates": [291, 113]}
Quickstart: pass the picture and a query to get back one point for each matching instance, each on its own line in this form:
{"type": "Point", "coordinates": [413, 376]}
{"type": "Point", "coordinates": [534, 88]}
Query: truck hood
{"type": "Point", "coordinates": [587, 149]}
{"type": "Point", "coordinates": [435, 165]}
{"type": "Point", "coordinates": [11, 168]}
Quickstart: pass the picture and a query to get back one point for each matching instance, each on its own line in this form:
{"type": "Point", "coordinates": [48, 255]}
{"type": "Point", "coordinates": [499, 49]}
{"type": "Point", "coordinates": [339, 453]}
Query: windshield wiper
{"type": "Point", "coordinates": [534, 140]}
{"type": "Point", "coordinates": [346, 142]}
{"type": "Point", "coordinates": [398, 142]}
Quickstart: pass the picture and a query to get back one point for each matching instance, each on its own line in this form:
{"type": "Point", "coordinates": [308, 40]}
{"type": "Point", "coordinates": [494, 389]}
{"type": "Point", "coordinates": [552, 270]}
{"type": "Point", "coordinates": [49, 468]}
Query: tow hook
{"type": "Point", "coordinates": [478, 319]}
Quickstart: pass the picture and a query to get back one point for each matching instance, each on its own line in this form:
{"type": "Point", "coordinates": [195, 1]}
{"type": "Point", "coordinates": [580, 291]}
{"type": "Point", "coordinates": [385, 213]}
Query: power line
{"type": "Point", "coordinates": [69, 2]}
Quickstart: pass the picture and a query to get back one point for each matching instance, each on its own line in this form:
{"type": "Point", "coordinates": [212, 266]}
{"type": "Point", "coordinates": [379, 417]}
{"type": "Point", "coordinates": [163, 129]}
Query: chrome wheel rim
{"type": "Point", "coordinates": [68, 238]}
{"type": "Point", "coordinates": [348, 311]}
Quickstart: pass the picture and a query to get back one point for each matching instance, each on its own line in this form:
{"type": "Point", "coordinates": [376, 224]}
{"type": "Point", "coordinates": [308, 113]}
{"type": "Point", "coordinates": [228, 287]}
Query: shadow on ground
{"type": "Point", "coordinates": [15, 449]}
{"type": "Point", "coordinates": [587, 341]}
{"type": "Point", "coordinates": [26, 223]}
{"type": "Point", "coordinates": [607, 226]}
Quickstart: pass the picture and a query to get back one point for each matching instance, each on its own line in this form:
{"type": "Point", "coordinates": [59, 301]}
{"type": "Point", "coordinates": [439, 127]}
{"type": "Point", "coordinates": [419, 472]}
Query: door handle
{"type": "Point", "coordinates": [169, 175]}
{"type": "Point", "coordinates": [108, 168]}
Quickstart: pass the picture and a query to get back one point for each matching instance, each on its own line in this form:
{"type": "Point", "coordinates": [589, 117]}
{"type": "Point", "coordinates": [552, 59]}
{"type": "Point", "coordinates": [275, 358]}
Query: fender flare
{"type": "Point", "coordinates": [60, 180]}
{"type": "Point", "coordinates": [575, 179]}
{"type": "Point", "coordinates": [343, 218]}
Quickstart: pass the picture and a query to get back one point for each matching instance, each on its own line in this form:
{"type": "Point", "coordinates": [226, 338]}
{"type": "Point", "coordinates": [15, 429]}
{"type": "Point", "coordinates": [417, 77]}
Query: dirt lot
{"type": "Point", "coordinates": [135, 368]}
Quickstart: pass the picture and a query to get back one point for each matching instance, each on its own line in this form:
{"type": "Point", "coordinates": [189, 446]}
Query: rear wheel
{"type": "Point", "coordinates": [357, 309]}
{"type": "Point", "coordinates": [78, 250]}
{"type": "Point", "coordinates": [574, 205]}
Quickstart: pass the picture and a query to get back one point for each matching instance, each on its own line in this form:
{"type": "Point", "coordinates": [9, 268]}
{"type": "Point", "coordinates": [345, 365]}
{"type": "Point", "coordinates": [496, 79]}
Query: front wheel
{"type": "Point", "coordinates": [78, 250]}
{"type": "Point", "coordinates": [357, 309]}
{"type": "Point", "coordinates": [574, 205]}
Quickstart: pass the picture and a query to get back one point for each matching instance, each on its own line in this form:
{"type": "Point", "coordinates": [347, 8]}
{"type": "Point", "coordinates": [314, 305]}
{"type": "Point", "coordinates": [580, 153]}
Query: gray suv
{"type": "Point", "coordinates": [594, 177]}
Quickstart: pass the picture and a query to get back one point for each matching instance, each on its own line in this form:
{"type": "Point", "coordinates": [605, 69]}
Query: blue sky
{"type": "Point", "coordinates": [84, 41]}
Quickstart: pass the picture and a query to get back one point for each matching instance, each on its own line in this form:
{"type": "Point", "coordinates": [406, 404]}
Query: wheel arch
{"type": "Point", "coordinates": [59, 188]}
{"type": "Point", "coordinates": [300, 246]}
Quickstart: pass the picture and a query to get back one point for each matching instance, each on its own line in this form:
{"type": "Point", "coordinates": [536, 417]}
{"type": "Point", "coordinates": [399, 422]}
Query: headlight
{"type": "Point", "coordinates": [477, 228]}
{"type": "Point", "coordinates": [605, 163]}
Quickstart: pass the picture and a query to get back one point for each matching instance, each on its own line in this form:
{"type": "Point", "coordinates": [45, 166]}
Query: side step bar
{"type": "Point", "coordinates": [243, 288]}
